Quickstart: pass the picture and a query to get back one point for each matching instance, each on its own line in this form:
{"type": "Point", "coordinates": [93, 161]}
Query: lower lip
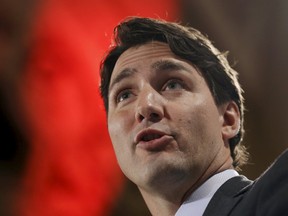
{"type": "Point", "coordinates": [156, 144]}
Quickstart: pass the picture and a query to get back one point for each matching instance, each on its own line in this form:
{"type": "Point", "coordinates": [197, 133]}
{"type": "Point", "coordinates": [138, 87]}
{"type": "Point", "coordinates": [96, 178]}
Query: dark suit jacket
{"type": "Point", "coordinates": [266, 196]}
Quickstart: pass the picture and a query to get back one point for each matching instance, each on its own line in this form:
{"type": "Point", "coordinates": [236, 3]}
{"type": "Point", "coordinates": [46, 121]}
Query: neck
{"type": "Point", "coordinates": [166, 199]}
{"type": "Point", "coordinates": [162, 205]}
{"type": "Point", "coordinates": [166, 202]}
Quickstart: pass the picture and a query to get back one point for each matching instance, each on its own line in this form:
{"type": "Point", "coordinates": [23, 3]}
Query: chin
{"type": "Point", "coordinates": [163, 174]}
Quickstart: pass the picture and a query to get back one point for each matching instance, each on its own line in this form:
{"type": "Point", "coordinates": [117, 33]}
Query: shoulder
{"type": "Point", "coordinates": [228, 196]}
{"type": "Point", "coordinates": [269, 193]}
{"type": "Point", "coordinates": [276, 175]}
{"type": "Point", "coordinates": [271, 188]}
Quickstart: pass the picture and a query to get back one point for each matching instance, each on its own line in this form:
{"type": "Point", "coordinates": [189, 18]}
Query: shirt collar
{"type": "Point", "coordinates": [197, 202]}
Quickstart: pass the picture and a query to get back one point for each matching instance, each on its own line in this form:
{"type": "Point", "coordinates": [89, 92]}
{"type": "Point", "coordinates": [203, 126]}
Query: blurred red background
{"type": "Point", "coordinates": [72, 169]}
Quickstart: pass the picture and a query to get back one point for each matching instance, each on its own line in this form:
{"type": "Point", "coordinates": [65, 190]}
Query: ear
{"type": "Point", "coordinates": [231, 120]}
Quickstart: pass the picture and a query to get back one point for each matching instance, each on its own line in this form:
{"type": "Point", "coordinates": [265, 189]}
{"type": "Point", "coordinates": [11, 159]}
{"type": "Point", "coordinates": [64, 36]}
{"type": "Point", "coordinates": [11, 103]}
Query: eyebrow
{"type": "Point", "coordinates": [162, 65]}
{"type": "Point", "coordinates": [125, 73]}
{"type": "Point", "coordinates": [167, 65]}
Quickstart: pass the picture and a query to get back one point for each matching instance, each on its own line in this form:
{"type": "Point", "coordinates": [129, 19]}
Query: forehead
{"type": "Point", "coordinates": [149, 51]}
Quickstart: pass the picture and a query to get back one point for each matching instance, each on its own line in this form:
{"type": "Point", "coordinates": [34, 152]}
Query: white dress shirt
{"type": "Point", "coordinates": [196, 204]}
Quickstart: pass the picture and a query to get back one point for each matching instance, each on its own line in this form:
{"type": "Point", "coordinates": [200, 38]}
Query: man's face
{"type": "Point", "coordinates": [162, 119]}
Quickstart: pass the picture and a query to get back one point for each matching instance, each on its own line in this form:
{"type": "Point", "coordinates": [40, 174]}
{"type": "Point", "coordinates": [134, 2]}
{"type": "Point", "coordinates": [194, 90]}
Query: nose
{"type": "Point", "coordinates": [150, 106]}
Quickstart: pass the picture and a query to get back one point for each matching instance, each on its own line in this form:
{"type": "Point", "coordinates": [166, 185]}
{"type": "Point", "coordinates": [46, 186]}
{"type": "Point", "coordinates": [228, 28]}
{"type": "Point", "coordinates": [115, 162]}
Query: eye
{"type": "Point", "coordinates": [123, 95]}
{"type": "Point", "coordinates": [173, 85]}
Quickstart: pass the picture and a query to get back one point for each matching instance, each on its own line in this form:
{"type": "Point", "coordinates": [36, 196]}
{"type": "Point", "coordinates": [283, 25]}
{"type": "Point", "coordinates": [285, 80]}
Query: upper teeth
{"type": "Point", "coordinates": [149, 137]}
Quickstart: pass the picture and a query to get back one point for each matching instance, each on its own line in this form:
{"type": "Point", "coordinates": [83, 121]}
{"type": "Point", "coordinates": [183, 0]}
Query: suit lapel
{"type": "Point", "coordinates": [228, 196]}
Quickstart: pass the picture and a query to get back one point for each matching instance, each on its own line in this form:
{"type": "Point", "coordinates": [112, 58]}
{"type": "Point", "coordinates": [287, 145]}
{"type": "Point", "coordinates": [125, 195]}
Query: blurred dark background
{"type": "Point", "coordinates": [15, 18]}
{"type": "Point", "coordinates": [255, 33]}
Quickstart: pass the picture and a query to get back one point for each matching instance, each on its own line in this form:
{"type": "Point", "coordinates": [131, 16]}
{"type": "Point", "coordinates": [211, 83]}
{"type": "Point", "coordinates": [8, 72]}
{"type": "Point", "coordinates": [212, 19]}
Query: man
{"type": "Point", "coordinates": [175, 117]}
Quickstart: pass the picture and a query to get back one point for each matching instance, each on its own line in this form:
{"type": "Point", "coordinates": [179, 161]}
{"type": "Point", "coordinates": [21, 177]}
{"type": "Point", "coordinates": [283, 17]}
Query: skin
{"type": "Point", "coordinates": [167, 132]}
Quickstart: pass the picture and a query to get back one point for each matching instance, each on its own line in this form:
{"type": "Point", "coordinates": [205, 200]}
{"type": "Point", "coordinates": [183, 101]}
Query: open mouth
{"type": "Point", "coordinates": [149, 137]}
{"type": "Point", "coordinates": [153, 140]}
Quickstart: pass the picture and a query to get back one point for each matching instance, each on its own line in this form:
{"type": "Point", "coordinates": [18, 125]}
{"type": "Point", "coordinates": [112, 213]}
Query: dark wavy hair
{"type": "Point", "coordinates": [189, 44]}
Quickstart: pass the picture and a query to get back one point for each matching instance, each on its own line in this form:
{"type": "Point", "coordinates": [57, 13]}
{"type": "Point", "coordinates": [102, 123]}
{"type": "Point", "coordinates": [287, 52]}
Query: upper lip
{"type": "Point", "coordinates": [148, 134]}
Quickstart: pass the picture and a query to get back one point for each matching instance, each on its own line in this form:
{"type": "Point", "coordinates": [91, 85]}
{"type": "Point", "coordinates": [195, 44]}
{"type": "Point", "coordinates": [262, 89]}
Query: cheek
{"type": "Point", "coordinates": [199, 124]}
{"type": "Point", "coordinates": [119, 128]}
{"type": "Point", "coordinates": [117, 124]}
{"type": "Point", "coordinates": [115, 130]}
{"type": "Point", "coordinates": [120, 141]}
